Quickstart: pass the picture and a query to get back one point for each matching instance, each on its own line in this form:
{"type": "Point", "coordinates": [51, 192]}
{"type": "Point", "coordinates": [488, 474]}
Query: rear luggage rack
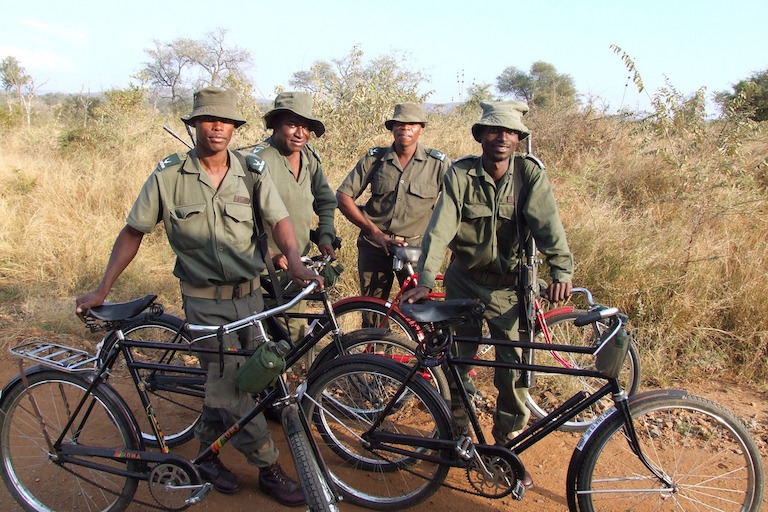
{"type": "Point", "coordinates": [56, 356]}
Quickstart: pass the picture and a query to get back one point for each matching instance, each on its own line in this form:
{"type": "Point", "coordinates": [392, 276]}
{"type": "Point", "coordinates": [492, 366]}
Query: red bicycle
{"type": "Point", "coordinates": [554, 326]}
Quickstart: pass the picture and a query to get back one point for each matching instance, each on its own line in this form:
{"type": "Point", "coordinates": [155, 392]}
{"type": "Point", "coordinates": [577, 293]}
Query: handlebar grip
{"type": "Point", "coordinates": [594, 316]}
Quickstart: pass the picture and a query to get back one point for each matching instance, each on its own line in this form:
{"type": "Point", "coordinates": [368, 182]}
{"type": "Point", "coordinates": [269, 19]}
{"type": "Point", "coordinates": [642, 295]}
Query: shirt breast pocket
{"type": "Point", "coordinates": [189, 226]}
{"type": "Point", "coordinates": [476, 222]}
{"type": "Point", "coordinates": [383, 183]}
{"type": "Point", "coordinates": [238, 224]}
{"type": "Point", "coordinates": [424, 190]}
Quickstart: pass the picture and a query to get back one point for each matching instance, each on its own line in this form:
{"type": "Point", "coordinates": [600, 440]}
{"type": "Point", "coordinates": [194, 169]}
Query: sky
{"type": "Point", "coordinates": [93, 46]}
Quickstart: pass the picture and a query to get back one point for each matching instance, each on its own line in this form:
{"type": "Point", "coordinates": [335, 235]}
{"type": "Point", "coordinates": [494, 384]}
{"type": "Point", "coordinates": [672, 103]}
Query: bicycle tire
{"type": "Point", "coordinates": [550, 390]}
{"type": "Point", "coordinates": [710, 458]}
{"type": "Point", "coordinates": [378, 341]}
{"type": "Point", "coordinates": [177, 413]}
{"type": "Point", "coordinates": [317, 492]}
{"type": "Point", "coordinates": [31, 474]}
{"type": "Point", "coordinates": [342, 399]}
{"type": "Point", "coordinates": [349, 316]}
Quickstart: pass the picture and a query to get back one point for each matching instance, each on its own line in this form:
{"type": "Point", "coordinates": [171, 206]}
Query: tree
{"type": "Point", "coordinates": [14, 78]}
{"type": "Point", "coordinates": [350, 95]}
{"type": "Point", "coordinates": [217, 60]}
{"type": "Point", "coordinates": [749, 97]}
{"type": "Point", "coordinates": [542, 86]}
{"type": "Point", "coordinates": [476, 94]}
{"type": "Point", "coordinates": [165, 69]}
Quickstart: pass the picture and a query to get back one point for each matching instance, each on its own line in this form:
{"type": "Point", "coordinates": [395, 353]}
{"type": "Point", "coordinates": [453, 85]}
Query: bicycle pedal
{"type": "Point", "coordinates": [519, 491]}
{"type": "Point", "coordinates": [200, 494]}
{"type": "Point", "coordinates": [465, 448]}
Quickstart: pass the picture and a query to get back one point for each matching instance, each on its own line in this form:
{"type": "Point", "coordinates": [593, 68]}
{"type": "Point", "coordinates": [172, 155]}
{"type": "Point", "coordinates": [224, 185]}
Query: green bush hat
{"type": "Point", "coordinates": [408, 112]}
{"type": "Point", "coordinates": [507, 114]}
{"type": "Point", "coordinates": [300, 103]}
{"type": "Point", "coordinates": [215, 102]}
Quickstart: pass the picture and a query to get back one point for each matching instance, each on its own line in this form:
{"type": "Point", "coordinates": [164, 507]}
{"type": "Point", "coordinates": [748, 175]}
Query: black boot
{"type": "Point", "coordinates": [274, 482]}
{"type": "Point", "coordinates": [214, 471]}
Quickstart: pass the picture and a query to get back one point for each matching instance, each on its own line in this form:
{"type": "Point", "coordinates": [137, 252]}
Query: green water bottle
{"type": "Point", "coordinates": [263, 367]}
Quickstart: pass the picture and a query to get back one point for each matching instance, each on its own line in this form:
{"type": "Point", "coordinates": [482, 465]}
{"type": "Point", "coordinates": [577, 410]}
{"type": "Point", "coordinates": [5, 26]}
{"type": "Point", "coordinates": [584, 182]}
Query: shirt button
{"type": "Point", "coordinates": [221, 249]}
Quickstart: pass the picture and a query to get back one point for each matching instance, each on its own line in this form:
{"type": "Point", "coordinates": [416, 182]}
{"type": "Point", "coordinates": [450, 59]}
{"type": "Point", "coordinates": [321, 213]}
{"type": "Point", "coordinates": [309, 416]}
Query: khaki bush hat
{"type": "Point", "coordinates": [215, 102]}
{"type": "Point", "coordinates": [408, 112]}
{"type": "Point", "coordinates": [507, 114]}
{"type": "Point", "coordinates": [300, 103]}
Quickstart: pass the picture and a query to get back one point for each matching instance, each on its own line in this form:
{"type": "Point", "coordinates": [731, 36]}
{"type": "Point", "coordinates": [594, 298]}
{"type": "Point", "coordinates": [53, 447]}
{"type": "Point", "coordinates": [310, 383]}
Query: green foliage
{"type": "Point", "coordinates": [354, 99]}
{"type": "Point", "coordinates": [542, 86]}
{"type": "Point", "coordinates": [476, 94]}
{"type": "Point", "coordinates": [749, 98]}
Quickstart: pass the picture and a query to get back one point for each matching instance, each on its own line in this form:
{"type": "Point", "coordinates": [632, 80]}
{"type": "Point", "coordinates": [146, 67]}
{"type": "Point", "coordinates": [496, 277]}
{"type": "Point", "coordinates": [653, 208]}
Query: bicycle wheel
{"type": "Point", "coordinates": [350, 318]}
{"type": "Point", "coordinates": [550, 390]}
{"type": "Point", "coordinates": [705, 454]}
{"type": "Point", "coordinates": [316, 490]}
{"type": "Point", "coordinates": [344, 399]}
{"type": "Point", "coordinates": [34, 477]}
{"type": "Point", "coordinates": [176, 398]}
{"type": "Point", "coordinates": [397, 348]}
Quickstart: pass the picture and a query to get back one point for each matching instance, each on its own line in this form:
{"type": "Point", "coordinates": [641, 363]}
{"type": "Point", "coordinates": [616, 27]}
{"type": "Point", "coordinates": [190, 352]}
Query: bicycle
{"type": "Point", "coordinates": [554, 326]}
{"type": "Point", "coordinates": [171, 375]}
{"type": "Point", "coordinates": [79, 447]}
{"type": "Point", "coordinates": [389, 441]}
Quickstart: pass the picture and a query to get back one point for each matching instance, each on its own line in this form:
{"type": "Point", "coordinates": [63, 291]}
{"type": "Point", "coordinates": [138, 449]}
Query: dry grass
{"type": "Point", "coordinates": [669, 225]}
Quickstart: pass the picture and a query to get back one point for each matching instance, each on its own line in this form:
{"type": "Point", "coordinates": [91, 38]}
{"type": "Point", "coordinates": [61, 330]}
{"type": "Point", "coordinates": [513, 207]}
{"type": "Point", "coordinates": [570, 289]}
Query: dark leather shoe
{"type": "Point", "coordinates": [527, 480]}
{"type": "Point", "coordinates": [274, 482]}
{"type": "Point", "coordinates": [223, 480]}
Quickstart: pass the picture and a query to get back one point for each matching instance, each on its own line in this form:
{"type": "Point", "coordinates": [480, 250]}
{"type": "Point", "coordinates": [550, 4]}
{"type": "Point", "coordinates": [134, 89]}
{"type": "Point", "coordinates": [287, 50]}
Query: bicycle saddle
{"type": "Point", "coordinates": [441, 310]}
{"type": "Point", "coordinates": [114, 311]}
{"type": "Point", "coordinates": [408, 253]}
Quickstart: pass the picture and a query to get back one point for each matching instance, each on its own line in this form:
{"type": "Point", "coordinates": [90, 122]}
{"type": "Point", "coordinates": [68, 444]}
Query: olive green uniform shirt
{"type": "Point", "coordinates": [211, 231]}
{"type": "Point", "coordinates": [304, 197]}
{"type": "Point", "coordinates": [475, 218]}
{"type": "Point", "coordinates": [401, 199]}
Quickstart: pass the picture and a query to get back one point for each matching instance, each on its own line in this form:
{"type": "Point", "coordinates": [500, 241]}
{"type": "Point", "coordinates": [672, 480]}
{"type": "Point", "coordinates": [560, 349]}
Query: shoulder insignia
{"type": "Point", "coordinates": [536, 161]}
{"type": "Point", "coordinates": [255, 164]}
{"type": "Point", "coordinates": [465, 157]}
{"type": "Point", "coordinates": [314, 152]}
{"type": "Point", "coordinates": [168, 161]}
{"type": "Point", "coordinates": [374, 151]}
{"type": "Point", "coordinates": [258, 148]}
{"type": "Point", "coordinates": [437, 154]}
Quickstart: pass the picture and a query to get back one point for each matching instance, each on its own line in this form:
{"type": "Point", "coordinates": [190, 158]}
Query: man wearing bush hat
{"type": "Point", "coordinates": [476, 218]}
{"type": "Point", "coordinates": [296, 169]}
{"type": "Point", "coordinates": [404, 181]}
{"type": "Point", "coordinates": [203, 199]}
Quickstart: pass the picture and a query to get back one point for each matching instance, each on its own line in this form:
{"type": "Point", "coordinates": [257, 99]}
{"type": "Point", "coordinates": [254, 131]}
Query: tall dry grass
{"type": "Point", "coordinates": [665, 219]}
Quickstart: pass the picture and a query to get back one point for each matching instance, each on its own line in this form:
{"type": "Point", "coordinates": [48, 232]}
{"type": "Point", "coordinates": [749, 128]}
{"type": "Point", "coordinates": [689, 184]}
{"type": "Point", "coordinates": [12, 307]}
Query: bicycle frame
{"type": "Point", "coordinates": [75, 453]}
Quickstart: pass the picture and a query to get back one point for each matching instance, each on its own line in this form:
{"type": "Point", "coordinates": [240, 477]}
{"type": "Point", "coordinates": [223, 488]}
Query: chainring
{"type": "Point", "coordinates": [494, 471]}
{"type": "Point", "coordinates": [170, 485]}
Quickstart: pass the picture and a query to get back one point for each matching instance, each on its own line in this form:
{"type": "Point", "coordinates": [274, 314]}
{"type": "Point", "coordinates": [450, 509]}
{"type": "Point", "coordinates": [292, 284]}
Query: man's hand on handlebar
{"type": "Point", "coordinates": [558, 292]}
{"type": "Point", "coordinates": [328, 252]}
{"type": "Point", "coordinates": [414, 295]}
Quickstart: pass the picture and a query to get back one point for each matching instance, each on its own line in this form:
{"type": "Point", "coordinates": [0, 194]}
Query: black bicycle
{"type": "Point", "coordinates": [389, 441]}
{"type": "Point", "coordinates": [171, 374]}
{"type": "Point", "coordinates": [68, 440]}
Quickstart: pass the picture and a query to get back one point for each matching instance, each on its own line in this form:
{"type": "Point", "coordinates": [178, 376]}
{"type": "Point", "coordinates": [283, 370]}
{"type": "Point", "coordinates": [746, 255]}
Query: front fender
{"type": "Point", "coordinates": [608, 416]}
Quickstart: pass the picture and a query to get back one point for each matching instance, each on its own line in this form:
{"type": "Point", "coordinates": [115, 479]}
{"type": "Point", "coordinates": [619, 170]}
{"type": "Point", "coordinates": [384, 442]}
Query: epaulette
{"type": "Point", "coordinates": [437, 154]}
{"type": "Point", "coordinates": [374, 151]}
{"type": "Point", "coordinates": [465, 157]}
{"type": "Point", "coordinates": [258, 148]}
{"type": "Point", "coordinates": [255, 163]}
{"type": "Point", "coordinates": [314, 152]}
{"type": "Point", "coordinates": [536, 161]}
{"type": "Point", "coordinates": [168, 161]}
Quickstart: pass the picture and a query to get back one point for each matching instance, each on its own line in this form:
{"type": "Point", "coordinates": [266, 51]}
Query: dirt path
{"type": "Point", "coordinates": [547, 461]}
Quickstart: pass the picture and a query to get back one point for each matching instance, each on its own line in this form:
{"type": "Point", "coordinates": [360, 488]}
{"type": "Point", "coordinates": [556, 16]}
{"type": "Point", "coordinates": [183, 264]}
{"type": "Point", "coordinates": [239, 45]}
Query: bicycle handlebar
{"type": "Point", "coordinates": [256, 317]}
{"type": "Point", "coordinates": [594, 316]}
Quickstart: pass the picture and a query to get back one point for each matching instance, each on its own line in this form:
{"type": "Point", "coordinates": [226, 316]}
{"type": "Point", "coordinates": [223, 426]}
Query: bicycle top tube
{"type": "Point", "coordinates": [256, 317]}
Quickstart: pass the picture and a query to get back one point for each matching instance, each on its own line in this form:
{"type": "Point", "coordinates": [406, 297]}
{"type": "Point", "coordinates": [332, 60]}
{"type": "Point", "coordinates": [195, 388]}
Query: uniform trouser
{"type": "Point", "coordinates": [374, 268]}
{"type": "Point", "coordinates": [296, 327]}
{"type": "Point", "coordinates": [224, 402]}
{"type": "Point", "coordinates": [501, 314]}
